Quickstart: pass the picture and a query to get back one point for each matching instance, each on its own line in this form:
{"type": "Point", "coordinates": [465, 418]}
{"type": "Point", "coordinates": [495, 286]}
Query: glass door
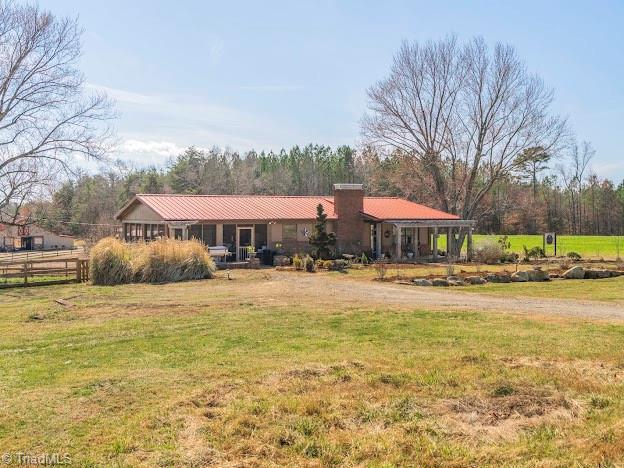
{"type": "Point", "coordinates": [245, 239]}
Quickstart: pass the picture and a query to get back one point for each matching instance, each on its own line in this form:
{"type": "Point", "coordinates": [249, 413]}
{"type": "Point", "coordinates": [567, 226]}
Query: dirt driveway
{"type": "Point", "coordinates": [321, 288]}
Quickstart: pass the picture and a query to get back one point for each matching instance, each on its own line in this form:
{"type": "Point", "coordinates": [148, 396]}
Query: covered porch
{"type": "Point", "coordinates": [238, 240]}
{"type": "Point", "coordinates": [418, 240]}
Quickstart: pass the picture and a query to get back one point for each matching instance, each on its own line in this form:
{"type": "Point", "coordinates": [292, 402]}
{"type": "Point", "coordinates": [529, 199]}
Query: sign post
{"type": "Point", "coordinates": [550, 238]}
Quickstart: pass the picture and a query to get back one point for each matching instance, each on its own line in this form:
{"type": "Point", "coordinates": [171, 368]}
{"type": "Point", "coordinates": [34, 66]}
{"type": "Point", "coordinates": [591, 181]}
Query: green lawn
{"type": "Point", "coordinates": [254, 371]}
{"type": "Point", "coordinates": [587, 246]}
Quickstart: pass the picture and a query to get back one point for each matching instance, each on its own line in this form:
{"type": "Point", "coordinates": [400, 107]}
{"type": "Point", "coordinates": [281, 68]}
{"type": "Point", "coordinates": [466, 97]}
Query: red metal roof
{"type": "Point", "coordinates": [273, 208]}
{"type": "Point", "coordinates": [390, 208]}
{"type": "Point", "coordinates": [236, 207]}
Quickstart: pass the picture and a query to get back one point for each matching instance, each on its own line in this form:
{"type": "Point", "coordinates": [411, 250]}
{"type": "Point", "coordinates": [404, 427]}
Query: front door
{"type": "Point", "coordinates": [244, 240]}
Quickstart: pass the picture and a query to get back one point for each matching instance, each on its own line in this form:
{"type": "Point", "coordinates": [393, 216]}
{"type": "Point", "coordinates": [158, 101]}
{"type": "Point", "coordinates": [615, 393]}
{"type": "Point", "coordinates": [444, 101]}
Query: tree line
{"type": "Point", "coordinates": [538, 197]}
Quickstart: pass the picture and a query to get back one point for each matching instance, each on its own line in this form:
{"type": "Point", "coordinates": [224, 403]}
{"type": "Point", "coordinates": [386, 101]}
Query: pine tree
{"type": "Point", "coordinates": [320, 238]}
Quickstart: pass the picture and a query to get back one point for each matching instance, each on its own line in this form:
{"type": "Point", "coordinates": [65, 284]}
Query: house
{"type": "Point", "coordinates": [32, 237]}
{"type": "Point", "coordinates": [382, 226]}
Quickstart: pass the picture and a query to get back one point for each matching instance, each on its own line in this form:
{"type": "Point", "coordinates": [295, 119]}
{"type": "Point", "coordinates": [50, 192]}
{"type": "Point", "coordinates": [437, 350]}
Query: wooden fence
{"type": "Point", "coordinates": [25, 255]}
{"type": "Point", "coordinates": [43, 272]}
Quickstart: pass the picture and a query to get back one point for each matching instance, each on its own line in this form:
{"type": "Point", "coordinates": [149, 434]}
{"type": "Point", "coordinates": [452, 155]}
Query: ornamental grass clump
{"type": "Point", "coordinates": [171, 260]}
{"type": "Point", "coordinates": [111, 262]}
{"type": "Point", "coordinates": [162, 261]}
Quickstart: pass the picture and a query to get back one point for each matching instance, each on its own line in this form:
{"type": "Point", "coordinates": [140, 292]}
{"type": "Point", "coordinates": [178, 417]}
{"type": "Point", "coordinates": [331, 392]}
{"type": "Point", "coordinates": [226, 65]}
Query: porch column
{"type": "Point", "coordinates": [398, 243]}
{"type": "Point", "coordinates": [435, 244]}
{"type": "Point", "coordinates": [449, 242]}
{"type": "Point", "coordinates": [469, 252]}
{"type": "Point", "coordinates": [219, 239]}
{"type": "Point", "coordinates": [379, 232]}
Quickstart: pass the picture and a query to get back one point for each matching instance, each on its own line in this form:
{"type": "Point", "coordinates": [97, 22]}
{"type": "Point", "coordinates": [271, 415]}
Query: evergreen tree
{"type": "Point", "coordinates": [320, 238]}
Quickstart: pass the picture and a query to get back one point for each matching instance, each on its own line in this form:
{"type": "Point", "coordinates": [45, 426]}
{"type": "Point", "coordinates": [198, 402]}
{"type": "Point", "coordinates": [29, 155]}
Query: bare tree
{"type": "Point", "coordinates": [46, 119]}
{"type": "Point", "coordinates": [463, 114]}
{"type": "Point", "coordinates": [573, 176]}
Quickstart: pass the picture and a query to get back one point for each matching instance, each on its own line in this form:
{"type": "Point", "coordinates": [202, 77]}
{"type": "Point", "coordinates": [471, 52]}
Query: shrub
{"type": "Point", "coordinates": [488, 251]}
{"type": "Point", "coordinates": [327, 264]}
{"type": "Point", "coordinates": [509, 257]}
{"type": "Point", "coordinates": [533, 253]}
{"type": "Point", "coordinates": [381, 268]}
{"type": "Point", "coordinates": [169, 260]}
{"type": "Point", "coordinates": [308, 264]}
{"type": "Point", "coordinates": [110, 262]}
{"type": "Point", "coordinates": [574, 256]}
{"type": "Point", "coordinates": [364, 259]}
{"type": "Point", "coordinates": [298, 262]}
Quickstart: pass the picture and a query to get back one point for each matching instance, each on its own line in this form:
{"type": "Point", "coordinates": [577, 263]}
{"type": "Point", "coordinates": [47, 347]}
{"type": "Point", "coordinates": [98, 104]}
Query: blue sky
{"type": "Point", "coordinates": [269, 74]}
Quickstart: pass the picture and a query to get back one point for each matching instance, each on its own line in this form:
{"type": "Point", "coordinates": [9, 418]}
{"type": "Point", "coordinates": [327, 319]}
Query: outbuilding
{"type": "Point", "coordinates": [33, 237]}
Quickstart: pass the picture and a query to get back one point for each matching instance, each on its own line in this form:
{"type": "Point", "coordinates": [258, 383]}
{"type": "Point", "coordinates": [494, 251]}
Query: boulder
{"type": "Point", "coordinates": [537, 274]}
{"type": "Point", "coordinates": [439, 282]}
{"type": "Point", "coordinates": [455, 280]}
{"type": "Point", "coordinates": [576, 272]}
{"type": "Point", "coordinates": [422, 282]}
{"type": "Point", "coordinates": [498, 278]}
{"type": "Point", "coordinates": [520, 277]}
{"type": "Point", "coordinates": [597, 274]}
{"type": "Point", "coordinates": [475, 280]}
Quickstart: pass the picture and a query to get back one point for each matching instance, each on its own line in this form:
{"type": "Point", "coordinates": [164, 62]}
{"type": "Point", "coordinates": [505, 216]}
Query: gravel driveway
{"type": "Point", "coordinates": [322, 288]}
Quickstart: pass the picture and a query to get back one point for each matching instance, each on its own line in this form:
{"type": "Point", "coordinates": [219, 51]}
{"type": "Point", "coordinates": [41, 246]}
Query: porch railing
{"type": "Point", "coordinates": [243, 254]}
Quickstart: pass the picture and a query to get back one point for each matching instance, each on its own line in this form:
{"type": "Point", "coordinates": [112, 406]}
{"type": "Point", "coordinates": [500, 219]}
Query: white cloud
{"type": "Point", "coordinates": [154, 128]}
{"type": "Point", "coordinates": [159, 148]}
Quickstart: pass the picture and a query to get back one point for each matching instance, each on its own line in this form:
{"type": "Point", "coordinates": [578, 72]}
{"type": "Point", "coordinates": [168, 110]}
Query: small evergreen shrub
{"type": "Point", "coordinates": [574, 256]}
{"type": "Point", "coordinates": [298, 262]}
{"type": "Point", "coordinates": [308, 263]}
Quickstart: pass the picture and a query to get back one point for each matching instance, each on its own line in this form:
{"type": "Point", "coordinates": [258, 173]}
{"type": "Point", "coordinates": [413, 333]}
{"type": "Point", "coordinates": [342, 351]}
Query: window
{"type": "Point", "coordinates": [289, 232]}
{"type": "Point", "coordinates": [134, 232]}
{"type": "Point", "coordinates": [229, 237]}
{"type": "Point", "coordinates": [195, 232]}
{"type": "Point", "coordinates": [209, 234]}
{"type": "Point", "coordinates": [260, 235]}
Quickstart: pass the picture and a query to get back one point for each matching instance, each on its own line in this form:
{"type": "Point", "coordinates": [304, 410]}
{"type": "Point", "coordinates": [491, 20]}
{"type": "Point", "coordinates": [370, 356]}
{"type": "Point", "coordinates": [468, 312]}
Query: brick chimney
{"type": "Point", "coordinates": [348, 203]}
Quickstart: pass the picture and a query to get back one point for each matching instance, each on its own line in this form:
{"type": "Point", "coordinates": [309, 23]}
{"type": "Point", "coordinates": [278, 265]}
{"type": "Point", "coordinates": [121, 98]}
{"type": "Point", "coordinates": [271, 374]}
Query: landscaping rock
{"type": "Point", "coordinates": [537, 274]}
{"type": "Point", "coordinates": [475, 280]}
{"type": "Point", "coordinates": [520, 277]}
{"type": "Point", "coordinates": [498, 278]}
{"type": "Point", "coordinates": [439, 282]}
{"type": "Point", "coordinates": [576, 272]}
{"type": "Point", "coordinates": [455, 280]}
{"type": "Point", "coordinates": [597, 274]}
{"type": "Point", "coordinates": [422, 282]}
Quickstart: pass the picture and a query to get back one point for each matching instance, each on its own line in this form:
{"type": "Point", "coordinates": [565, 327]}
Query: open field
{"type": "Point", "coordinates": [310, 369]}
{"type": "Point", "coordinates": [608, 247]}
